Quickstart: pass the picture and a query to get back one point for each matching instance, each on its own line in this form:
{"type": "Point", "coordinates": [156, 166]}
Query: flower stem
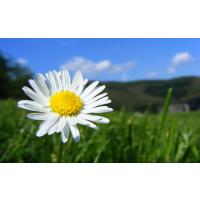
{"type": "Point", "coordinates": [60, 151]}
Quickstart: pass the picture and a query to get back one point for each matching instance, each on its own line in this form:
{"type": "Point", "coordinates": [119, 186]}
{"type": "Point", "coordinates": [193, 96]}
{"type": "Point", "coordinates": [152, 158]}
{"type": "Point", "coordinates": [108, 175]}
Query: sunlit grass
{"type": "Point", "coordinates": [130, 137]}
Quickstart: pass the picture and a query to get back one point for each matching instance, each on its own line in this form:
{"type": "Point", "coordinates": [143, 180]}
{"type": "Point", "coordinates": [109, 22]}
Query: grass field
{"type": "Point", "coordinates": [130, 137]}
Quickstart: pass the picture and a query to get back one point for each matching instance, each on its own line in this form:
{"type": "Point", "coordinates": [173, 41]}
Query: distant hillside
{"type": "Point", "coordinates": [140, 95]}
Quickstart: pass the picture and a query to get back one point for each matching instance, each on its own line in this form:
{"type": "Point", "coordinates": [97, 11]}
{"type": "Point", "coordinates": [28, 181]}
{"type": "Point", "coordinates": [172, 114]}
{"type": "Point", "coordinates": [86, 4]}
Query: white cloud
{"type": "Point", "coordinates": [152, 74]}
{"type": "Point", "coordinates": [171, 70]}
{"type": "Point", "coordinates": [21, 61]}
{"type": "Point", "coordinates": [103, 65]}
{"type": "Point", "coordinates": [178, 59]}
{"type": "Point", "coordinates": [181, 58]}
{"type": "Point", "coordinates": [92, 68]}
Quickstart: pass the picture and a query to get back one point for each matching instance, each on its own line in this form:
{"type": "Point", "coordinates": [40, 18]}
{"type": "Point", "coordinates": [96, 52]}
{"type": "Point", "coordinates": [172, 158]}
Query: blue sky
{"type": "Point", "coordinates": [109, 59]}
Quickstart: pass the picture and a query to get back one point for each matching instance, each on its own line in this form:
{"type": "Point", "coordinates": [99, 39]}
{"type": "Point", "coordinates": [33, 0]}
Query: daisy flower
{"type": "Point", "coordinates": [62, 103]}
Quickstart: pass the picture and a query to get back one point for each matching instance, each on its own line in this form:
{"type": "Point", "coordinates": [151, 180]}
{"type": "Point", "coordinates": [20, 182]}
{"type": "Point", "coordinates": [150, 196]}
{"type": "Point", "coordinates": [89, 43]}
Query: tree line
{"type": "Point", "coordinates": [13, 77]}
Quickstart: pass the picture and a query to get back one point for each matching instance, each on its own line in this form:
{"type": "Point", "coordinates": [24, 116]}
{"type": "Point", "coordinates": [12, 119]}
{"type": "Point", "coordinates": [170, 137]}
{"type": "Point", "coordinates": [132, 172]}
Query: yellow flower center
{"type": "Point", "coordinates": [66, 103]}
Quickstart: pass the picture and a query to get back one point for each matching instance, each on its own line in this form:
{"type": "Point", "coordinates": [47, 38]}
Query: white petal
{"type": "Point", "coordinates": [41, 82]}
{"type": "Point", "coordinates": [58, 80]}
{"type": "Point", "coordinates": [66, 80]}
{"type": "Point", "coordinates": [95, 118]}
{"type": "Point", "coordinates": [61, 124]}
{"type": "Point", "coordinates": [98, 103]}
{"type": "Point", "coordinates": [63, 79]}
{"type": "Point", "coordinates": [32, 105]}
{"type": "Point", "coordinates": [75, 133]}
{"type": "Point", "coordinates": [77, 80]}
{"type": "Point", "coordinates": [39, 116]}
{"type": "Point", "coordinates": [51, 89]}
{"type": "Point", "coordinates": [85, 82]}
{"type": "Point", "coordinates": [72, 120]}
{"type": "Point", "coordinates": [95, 98]}
{"type": "Point", "coordinates": [52, 81]}
{"type": "Point", "coordinates": [86, 123]}
{"type": "Point", "coordinates": [48, 123]}
{"type": "Point", "coordinates": [36, 88]}
{"type": "Point", "coordinates": [53, 127]}
{"type": "Point", "coordinates": [89, 89]}
{"type": "Point", "coordinates": [41, 132]}
{"type": "Point", "coordinates": [65, 133]}
{"type": "Point", "coordinates": [101, 109]}
{"type": "Point", "coordinates": [81, 87]}
{"type": "Point", "coordinates": [34, 96]}
{"type": "Point", "coordinates": [95, 92]}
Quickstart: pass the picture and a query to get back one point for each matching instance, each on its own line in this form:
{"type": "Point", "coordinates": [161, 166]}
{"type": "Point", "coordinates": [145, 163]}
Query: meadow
{"type": "Point", "coordinates": [130, 137]}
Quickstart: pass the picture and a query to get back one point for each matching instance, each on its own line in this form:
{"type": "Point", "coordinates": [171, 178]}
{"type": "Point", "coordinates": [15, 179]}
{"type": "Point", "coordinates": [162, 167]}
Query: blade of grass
{"type": "Point", "coordinates": [159, 139]}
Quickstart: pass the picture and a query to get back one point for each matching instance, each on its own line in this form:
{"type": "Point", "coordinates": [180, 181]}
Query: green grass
{"type": "Point", "coordinates": [130, 137]}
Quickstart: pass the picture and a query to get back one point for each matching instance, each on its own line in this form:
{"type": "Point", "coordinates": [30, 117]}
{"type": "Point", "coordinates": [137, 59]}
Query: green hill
{"type": "Point", "coordinates": [140, 95]}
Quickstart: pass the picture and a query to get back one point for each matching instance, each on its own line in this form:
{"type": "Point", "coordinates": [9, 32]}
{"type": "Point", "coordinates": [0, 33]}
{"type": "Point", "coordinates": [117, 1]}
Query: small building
{"type": "Point", "coordinates": [178, 108]}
